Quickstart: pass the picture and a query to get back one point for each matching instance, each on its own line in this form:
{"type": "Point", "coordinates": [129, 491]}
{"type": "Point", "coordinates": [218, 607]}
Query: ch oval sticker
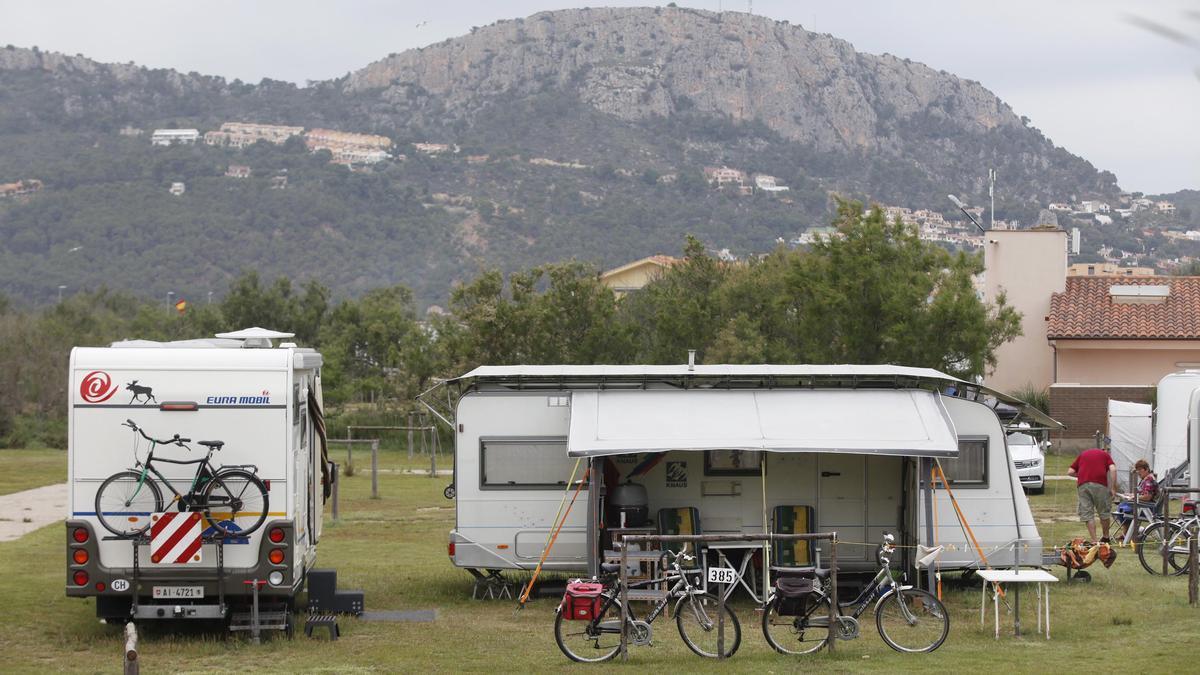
{"type": "Point", "coordinates": [120, 585]}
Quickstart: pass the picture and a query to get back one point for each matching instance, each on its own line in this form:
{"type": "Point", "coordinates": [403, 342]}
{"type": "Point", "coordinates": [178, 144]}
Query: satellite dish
{"type": "Point", "coordinates": [255, 338]}
{"type": "Point", "coordinates": [926, 556]}
{"type": "Point", "coordinates": [255, 332]}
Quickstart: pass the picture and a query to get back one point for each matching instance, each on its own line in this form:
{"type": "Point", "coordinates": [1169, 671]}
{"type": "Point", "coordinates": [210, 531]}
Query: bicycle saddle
{"type": "Point", "coordinates": [215, 445]}
{"type": "Point", "coordinates": [610, 567]}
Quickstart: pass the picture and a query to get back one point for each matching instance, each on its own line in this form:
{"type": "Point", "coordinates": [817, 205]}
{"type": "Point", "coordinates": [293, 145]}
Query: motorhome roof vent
{"type": "Point", "coordinates": [1137, 294]}
{"type": "Point", "coordinates": [256, 338]}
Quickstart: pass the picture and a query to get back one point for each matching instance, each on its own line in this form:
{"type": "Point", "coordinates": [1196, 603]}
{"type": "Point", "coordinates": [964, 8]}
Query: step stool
{"type": "Point", "coordinates": [322, 621]}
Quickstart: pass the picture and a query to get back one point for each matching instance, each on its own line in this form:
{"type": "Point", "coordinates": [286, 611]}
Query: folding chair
{"type": "Point", "coordinates": [681, 520]}
{"type": "Point", "coordinates": [797, 556]}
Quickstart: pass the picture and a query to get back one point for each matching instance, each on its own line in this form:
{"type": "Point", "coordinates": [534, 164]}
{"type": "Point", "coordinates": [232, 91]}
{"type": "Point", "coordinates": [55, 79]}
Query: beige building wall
{"type": "Point", "coordinates": [1118, 362]}
{"type": "Point", "coordinates": [623, 281]}
{"type": "Point", "coordinates": [1028, 265]}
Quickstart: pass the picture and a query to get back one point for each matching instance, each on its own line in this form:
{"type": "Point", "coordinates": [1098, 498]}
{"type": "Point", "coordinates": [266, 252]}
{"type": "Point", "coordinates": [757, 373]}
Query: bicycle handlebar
{"type": "Point", "coordinates": [176, 440]}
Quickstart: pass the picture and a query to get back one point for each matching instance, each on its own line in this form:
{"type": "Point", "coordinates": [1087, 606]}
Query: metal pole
{"type": "Point", "coordinates": [833, 593]}
{"type": "Point", "coordinates": [1017, 594]}
{"type": "Point", "coordinates": [131, 651]}
{"type": "Point", "coordinates": [624, 592]}
{"type": "Point", "coordinates": [720, 618]}
{"type": "Point", "coordinates": [410, 435]}
{"type": "Point", "coordinates": [375, 469]}
{"type": "Point", "coordinates": [926, 469]}
{"type": "Point", "coordinates": [433, 453]}
{"type": "Point", "coordinates": [1193, 576]}
{"type": "Point", "coordinates": [1166, 544]}
{"type": "Point", "coordinates": [349, 451]}
{"type": "Point", "coordinates": [254, 628]}
{"type": "Point", "coordinates": [336, 481]}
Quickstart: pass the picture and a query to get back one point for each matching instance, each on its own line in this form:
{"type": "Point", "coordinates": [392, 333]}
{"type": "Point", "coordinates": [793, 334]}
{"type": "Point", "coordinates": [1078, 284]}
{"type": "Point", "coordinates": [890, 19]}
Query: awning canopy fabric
{"type": "Point", "coordinates": [905, 422]}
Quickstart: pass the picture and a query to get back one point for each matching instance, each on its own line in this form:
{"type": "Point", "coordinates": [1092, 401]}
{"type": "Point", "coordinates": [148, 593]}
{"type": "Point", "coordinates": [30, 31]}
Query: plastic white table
{"type": "Point", "coordinates": [1029, 576]}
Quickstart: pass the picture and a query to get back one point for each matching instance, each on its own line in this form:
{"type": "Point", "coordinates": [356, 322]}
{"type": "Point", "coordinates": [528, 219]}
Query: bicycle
{"type": "Point", "coordinates": [223, 494]}
{"type": "Point", "coordinates": [1174, 536]}
{"type": "Point", "coordinates": [695, 612]}
{"type": "Point", "coordinates": [907, 618]}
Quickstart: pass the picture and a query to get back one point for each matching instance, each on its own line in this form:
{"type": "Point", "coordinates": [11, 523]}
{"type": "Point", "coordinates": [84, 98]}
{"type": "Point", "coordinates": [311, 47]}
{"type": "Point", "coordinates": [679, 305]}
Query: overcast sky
{"type": "Point", "coordinates": [1124, 98]}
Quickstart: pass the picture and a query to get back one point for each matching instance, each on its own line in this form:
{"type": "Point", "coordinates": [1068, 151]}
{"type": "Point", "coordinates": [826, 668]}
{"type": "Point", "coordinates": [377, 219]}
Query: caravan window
{"type": "Point", "coordinates": [537, 463]}
{"type": "Point", "coordinates": [969, 469]}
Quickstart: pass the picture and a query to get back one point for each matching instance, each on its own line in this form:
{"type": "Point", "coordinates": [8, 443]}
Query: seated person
{"type": "Point", "coordinates": [1147, 493]}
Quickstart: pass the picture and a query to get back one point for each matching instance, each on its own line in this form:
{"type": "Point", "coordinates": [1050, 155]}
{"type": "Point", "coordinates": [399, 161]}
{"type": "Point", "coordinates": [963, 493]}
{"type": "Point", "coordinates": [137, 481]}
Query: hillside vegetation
{"type": "Point", "coordinates": [618, 109]}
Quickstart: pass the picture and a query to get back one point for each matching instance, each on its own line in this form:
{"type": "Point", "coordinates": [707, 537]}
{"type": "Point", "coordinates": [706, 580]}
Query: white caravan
{"type": "Point", "coordinates": [1171, 419]}
{"type": "Point", "coordinates": [263, 402]}
{"type": "Point", "coordinates": [854, 443]}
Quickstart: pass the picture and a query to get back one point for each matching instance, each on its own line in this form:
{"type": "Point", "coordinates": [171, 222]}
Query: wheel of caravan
{"type": "Point", "coordinates": [797, 634]}
{"type": "Point", "coordinates": [590, 641]}
{"type": "Point", "coordinates": [696, 619]}
{"type": "Point", "coordinates": [912, 620]}
{"type": "Point", "coordinates": [232, 495]}
{"type": "Point", "coordinates": [1150, 547]}
{"type": "Point", "coordinates": [125, 501]}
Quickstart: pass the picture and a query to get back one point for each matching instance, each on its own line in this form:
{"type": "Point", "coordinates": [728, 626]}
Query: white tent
{"type": "Point", "coordinates": [1129, 433]}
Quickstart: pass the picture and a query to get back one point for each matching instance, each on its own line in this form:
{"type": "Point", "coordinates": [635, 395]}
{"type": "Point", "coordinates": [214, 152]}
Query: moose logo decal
{"type": "Point", "coordinates": [141, 393]}
{"type": "Point", "coordinates": [97, 387]}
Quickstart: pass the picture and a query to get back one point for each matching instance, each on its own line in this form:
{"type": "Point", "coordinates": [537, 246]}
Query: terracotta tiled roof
{"type": "Point", "coordinates": [1085, 310]}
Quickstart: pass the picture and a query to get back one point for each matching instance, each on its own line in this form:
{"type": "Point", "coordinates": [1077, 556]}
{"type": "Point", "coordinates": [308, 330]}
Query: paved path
{"type": "Point", "coordinates": [24, 512]}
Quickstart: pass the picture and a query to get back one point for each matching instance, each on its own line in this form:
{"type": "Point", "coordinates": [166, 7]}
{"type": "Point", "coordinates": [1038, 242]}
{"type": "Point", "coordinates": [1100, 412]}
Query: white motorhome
{"type": "Point", "coordinates": [1171, 412]}
{"type": "Point", "coordinates": [263, 402]}
{"type": "Point", "coordinates": [855, 444]}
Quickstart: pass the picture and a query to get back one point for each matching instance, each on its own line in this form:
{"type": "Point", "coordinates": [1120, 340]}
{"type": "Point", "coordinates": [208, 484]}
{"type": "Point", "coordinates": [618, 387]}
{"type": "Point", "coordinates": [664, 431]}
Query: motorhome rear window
{"type": "Point", "coordinates": [525, 463]}
{"type": "Point", "coordinates": [969, 469]}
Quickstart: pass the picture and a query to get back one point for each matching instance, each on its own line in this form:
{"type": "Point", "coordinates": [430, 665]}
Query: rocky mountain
{"type": "Point", "coordinates": [596, 124]}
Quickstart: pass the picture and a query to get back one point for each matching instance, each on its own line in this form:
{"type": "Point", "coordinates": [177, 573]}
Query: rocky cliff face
{"type": "Point", "coordinates": [639, 63]}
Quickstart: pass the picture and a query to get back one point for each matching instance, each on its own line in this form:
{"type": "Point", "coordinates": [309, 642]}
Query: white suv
{"type": "Point", "coordinates": [1029, 460]}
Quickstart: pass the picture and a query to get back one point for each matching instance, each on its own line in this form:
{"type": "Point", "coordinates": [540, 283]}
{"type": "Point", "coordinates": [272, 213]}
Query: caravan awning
{"type": "Point", "coordinates": [905, 422]}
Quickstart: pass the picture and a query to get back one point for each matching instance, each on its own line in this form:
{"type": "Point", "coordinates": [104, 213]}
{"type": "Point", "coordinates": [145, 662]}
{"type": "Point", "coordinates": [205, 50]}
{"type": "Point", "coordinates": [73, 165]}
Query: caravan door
{"type": "Point", "coordinates": [842, 500]}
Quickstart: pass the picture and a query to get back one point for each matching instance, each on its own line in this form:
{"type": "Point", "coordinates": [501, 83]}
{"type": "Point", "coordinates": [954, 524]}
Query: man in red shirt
{"type": "Point", "coordinates": [1096, 482]}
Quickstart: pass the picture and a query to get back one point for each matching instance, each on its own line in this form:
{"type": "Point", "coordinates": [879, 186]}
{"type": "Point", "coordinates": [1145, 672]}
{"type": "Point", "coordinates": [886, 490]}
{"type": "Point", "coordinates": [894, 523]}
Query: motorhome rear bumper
{"type": "Point", "coordinates": [104, 581]}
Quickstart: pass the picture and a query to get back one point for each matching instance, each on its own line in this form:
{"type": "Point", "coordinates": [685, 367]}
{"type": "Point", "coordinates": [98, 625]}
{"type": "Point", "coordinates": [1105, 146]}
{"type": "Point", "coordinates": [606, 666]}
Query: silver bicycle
{"type": "Point", "coordinates": [908, 618]}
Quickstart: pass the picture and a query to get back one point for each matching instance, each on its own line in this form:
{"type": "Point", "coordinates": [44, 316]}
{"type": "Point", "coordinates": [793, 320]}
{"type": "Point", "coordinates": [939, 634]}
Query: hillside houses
{"type": "Point", "coordinates": [22, 187]}
{"type": "Point", "coordinates": [242, 134]}
{"type": "Point", "coordinates": [166, 137]}
{"type": "Point", "coordinates": [349, 148]}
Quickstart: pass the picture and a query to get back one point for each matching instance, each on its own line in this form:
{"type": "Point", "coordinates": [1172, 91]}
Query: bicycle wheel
{"type": "Point", "coordinates": [797, 634]}
{"type": "Point", "coordinates": [912, 620]}
{"type": "Point", "coordinates": [235, 494]}
{"type": "Point", "coordinates": [696, 618]}
{"type": "Point", "coordinates": [591, 641]}
{"type": "Point", "coordinates": [1153, 540]}
{"type": "Point", "coordinates": [124, 503]}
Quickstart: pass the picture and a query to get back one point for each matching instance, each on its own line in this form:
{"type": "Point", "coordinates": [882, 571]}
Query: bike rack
{"type": "Point", "coordinates": [143, 539]}
{"type": "Point", "coordinates": [1193, 572]}
{"type": "Point", "coordinates": [831, 537]}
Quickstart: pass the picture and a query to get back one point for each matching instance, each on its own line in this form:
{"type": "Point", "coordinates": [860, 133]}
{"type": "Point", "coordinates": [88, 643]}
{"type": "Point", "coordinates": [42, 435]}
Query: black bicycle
{"type": "Point", "coordinates": [908, 619]}
{"type": "Point", "coordinates": [222, 494]}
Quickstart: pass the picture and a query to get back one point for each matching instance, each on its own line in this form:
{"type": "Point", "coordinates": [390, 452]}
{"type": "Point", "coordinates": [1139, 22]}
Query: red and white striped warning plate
{"type": "Point", "coordinates": [175, 537]}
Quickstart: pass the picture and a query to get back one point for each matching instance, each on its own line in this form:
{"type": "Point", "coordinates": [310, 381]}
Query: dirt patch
{"type": "Point", "coordinates": [39, 507]}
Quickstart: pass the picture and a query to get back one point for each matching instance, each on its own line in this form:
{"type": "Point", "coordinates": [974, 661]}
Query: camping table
{"type": "Point", "coordinates": [1018, 577]}
{"type": "Point", "coordinates": [748, 548]}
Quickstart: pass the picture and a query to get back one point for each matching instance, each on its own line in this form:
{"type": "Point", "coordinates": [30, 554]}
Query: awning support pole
{"type": "Point", "coordinates": [593, 519]}
{"type": "Point", "coordinates": [927, 495]}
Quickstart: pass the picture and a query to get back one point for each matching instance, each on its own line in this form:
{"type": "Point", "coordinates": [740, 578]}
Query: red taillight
{"type": "Point", "coordinates": [450, 549]}
{"type": "Point", "coordinates": [80, 578]}
{"type": "Point", "coordinates": [275, 556]}
{"type": "Point", "coordinates": [100, 586]}
{"type": "Point", "coordinates": [80, 534]}
{"type": "Point", "coordinates": [80, 556]}
{"type": "Point", "coordinates": [276, 535]}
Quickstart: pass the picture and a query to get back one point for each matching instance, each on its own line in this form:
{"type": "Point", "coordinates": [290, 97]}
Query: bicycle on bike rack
{"type": "Point", "coordinates": [908, 619]}
{"type": "Point", "coordinates": [222, 494]}
{"type": "Point", "coordinates": [598, 637]}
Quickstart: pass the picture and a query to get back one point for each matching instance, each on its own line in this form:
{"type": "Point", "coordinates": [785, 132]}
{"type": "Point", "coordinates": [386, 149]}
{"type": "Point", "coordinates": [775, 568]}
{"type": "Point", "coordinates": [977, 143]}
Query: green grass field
{"type": "Point", "coordinates": [25, 469]}
{"type": "Point", "coordinates": [395, 549]}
